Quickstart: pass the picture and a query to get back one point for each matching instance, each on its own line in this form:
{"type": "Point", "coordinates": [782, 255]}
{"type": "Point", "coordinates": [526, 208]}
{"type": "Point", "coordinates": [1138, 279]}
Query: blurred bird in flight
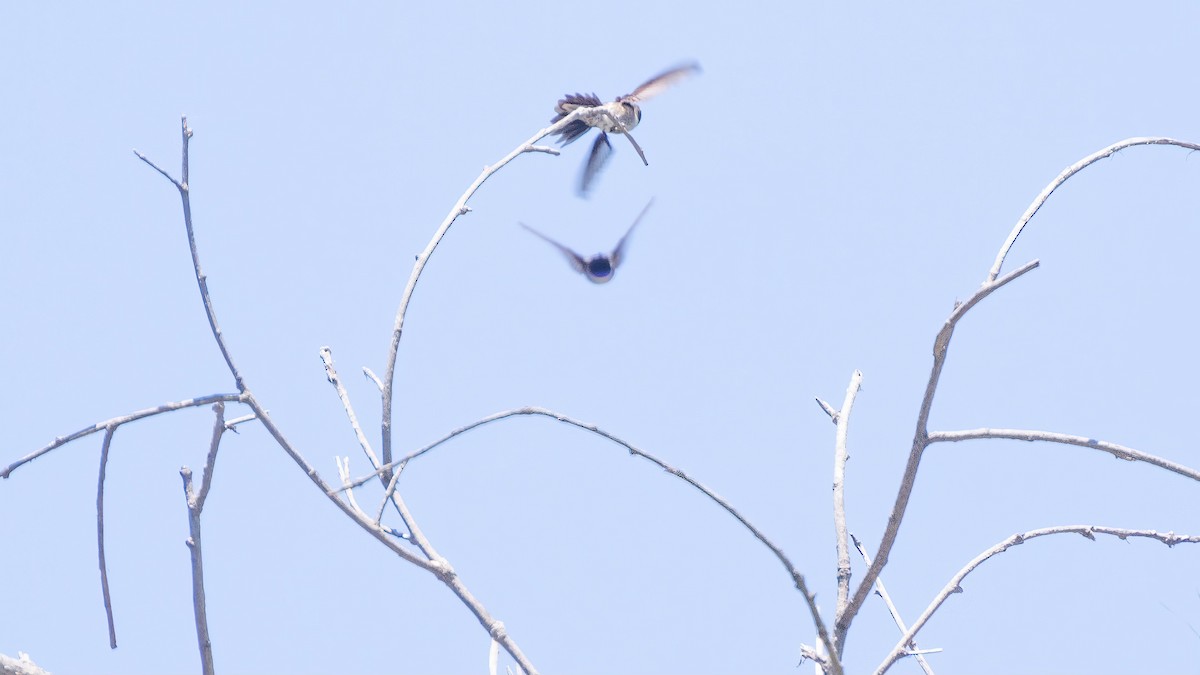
{"type": "Point", "coordinates": [619, 116]}
{"type": "Point", "coordinates": [599, 268]}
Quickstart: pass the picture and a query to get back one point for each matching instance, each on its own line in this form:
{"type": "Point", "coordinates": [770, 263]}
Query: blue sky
{"type": "Point", "coordinates": [824, 192]}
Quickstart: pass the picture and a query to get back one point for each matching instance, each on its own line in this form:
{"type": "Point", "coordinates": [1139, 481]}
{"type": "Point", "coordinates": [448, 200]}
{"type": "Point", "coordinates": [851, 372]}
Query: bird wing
{"type": "Point", "coordinates": [574, 258]}
{"type": "Point", "coordinates": [619, 252]}
{"type": "Point", "coordinates": [657, 84]}
{"type": "Point", "coordinates": [565, 106]}
{"type": "Point", "coordinates": [601, 151]}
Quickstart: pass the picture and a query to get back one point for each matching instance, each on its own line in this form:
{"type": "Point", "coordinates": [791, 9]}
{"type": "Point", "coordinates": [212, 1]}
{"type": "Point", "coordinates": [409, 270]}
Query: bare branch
{"type": "Point", "coordinates": [840, 456]}
{"type": "Point", "coordinates": [954, 586]}
{"type": "Point", "coordinates": [887, 600]}
{"type": "Point", "coordinates": [195, 506]}
{"type": "Point", "coordinates": [336, 381]}
{"type": "Point", "coordinates": [211, 461]}
{"type": "Point", "coordinates": [437, 565]}
{"type": "Point", "coordinates": [941, 345]}
{"type": "Point", "coordinates": [104, 448]}
{"type": "Point", "coordinates": [201, 280]}
{"type": "Point", "coordinates": [22, 665]}
{"type": "Point", "coordinates": [232, 425]}
{"type": "Point", "coordinates": [459, 208]}
{"type": "Point", "coordinates": [796, 576]}
{"type": "Point", "coordinates": [1118, 451]}
{"type": "Point", "coordinates": [833, 414]}
{"type": "Point", "coordinates": [118, 421]}
{"type": "Point", "coordinates": [809, 653]}
{"type": "Point", "coordinates": [1063, 177]}
{"type": "Point", "coordinates": [370, 374]}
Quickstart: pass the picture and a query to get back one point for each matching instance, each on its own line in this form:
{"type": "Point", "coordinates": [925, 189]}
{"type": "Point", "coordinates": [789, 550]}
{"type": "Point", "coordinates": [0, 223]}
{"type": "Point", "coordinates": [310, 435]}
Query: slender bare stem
{"type": "Point", "coordinates": [116, 422]}
{"type": "Point", "coordinates": [941, 345]}
{"type": "Point", "coordinates": [200, 609]}
{"type": "Point", "coordinates": [887, 600]}
{"type": "Point", "coordinates": [211, 461]}
{"type": "Point", "coordinates": [840, 456]}
{"type": "Point", "coordinates": [796, 576]}
{"type": "Point", "coordinates": [201, 280]}
{"type": "Point", "coordinates": [195, 506]}
{"type": "Point", "coordinates": [954, 586]}
{"type": "Point", "coordinates": [232, 425]}
{"type": "Point", "coordinates": [436, 565]}
{"type": "Point", "coordinates": [1118, 451]}
{"type": "Point", "coordinates": [460, 207]}
{"type": "Point", "coordinates": [1063, 177]}
{"type": "Point", "coordinates": [108, 612]}
{"type": "Point", "coordinates": [336, 381]}
{"type": "Point", "coordinates": [833, 414]}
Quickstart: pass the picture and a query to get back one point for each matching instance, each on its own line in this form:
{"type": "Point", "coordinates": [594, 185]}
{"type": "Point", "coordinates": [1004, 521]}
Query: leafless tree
{"type": "Point", "coordinates": [402, 535]}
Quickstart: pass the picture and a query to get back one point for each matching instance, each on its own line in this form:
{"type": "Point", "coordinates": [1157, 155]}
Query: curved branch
{"type": "Point", "coordinates": [1088, 531]}
{"type": "Point", "coordinates": [118, 421]}
{"type": "Point", "coordinates": [1118, 451]}
{"type": "Point", "coordinates": [460, 207]}
{"type": "Point", "coordinates": [185, 195]}
{"type": "Point", "coordinates": [941, 345]}
{"type": "Point", "coordinates": [1064, 176]}
{"type": "Point", "coordinates": [891, 607]}
{"type": "Point", "coordinates": [841, 456]}
{"type": "Point", "coordinates": [796, 576]}
{"type": "Point", "coordinates": [105, 445]}
{"type": "Point", "coordinates": [438, 566]}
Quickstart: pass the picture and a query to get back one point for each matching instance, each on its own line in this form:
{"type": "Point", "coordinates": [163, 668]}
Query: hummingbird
{"type": "Point", "coordinates": [619, 116]}
{"type": "Point", "coordinates": [598, 269]}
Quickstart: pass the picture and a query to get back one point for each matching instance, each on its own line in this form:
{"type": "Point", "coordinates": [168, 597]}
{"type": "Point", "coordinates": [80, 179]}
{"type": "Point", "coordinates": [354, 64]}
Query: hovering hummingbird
{"type": "Point", "coordinates": [598, 269]}
{"type": "Point", "coordinates": [619, 116]}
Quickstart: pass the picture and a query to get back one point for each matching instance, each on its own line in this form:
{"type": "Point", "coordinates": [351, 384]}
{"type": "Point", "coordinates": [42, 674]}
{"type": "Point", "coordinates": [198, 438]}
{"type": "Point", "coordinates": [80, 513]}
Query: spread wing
{"type": "Point", "coordinates": [601, 151]}
{"type": "Point", "coordinates": [574, 258]}
{"type": "Point", "coordinates": [565, 106]}
{"type": "Point", "coordinates": [619, 252]}
{"type": "Point", "coordinates": [657, 84]}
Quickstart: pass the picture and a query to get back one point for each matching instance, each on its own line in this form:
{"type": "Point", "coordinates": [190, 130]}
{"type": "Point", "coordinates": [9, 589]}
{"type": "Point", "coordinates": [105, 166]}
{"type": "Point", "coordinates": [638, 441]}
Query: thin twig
{"type": "Point", "coordinates": [460, 207]}
{"type": "Point", "coordinates": [1118, 451]}
{"type": "Point", "coordinates": [891, 607]}
{"type": "Point", "coordinates": [810, 653]}
{"type": "Point", "coordinates": [332, 375]}
{"type": "Point", "coordinates": [108, 612]}
{"type": "Point", "coordinates": [343, 470]}
{"type": "Point", "coordinates": [118, 421]}
{"type": "Point", "coordinates": [370, 375]}
{"type": "Point", "coordinates": [437, 565]}
{"type": "Point", "coordinates": [840, 456]}
{"type": "Point", "coordinates": [954, 586]}
{"type": "Point", "coordinates": [195, 506]}
{"type": "Point", "coordinates": [387, 496]}
{"type": "Point", "coordinates": [1063, 177]}
{"type": "Point", "coordinates": [920, 440]}
{"type": "Point", "coordinates": [232, 425]}
{"type": "Point", "coordinates": [210, 462]}
{"type": "Point", "coordinates": [796, 576]}
{"type": "Point", "coordinates": [833, 414]}
{"type": "Point", "coordinates": [185, 195]}
{"type": "Point", "coordinates": [200, 609]}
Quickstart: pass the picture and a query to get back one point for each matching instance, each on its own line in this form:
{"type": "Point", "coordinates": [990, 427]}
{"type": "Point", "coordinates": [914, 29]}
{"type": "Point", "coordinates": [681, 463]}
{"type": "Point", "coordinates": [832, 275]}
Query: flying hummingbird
{"type": "Point", "coordinates": [598, 269]}
{"type": "Point", "coordinates": [619, 116]}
